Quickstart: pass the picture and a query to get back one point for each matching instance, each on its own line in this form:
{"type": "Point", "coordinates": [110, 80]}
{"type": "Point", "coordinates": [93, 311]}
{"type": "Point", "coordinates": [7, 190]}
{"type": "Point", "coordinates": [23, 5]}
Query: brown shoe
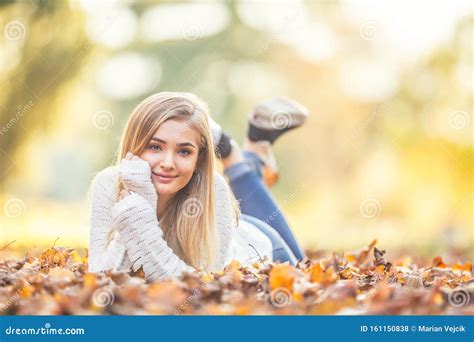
{"type": "Point", "coordinates": [267, 122]}
{"type": "Point", "coordinates": [271, 118]}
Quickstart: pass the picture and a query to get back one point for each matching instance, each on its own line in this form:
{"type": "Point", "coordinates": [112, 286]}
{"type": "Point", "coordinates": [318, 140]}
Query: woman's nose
{"type": "Point", "coordinates": [168, 161]}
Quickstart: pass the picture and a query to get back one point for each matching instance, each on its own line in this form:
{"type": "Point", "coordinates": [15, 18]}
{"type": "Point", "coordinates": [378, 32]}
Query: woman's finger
{"type": "Point", "coordinates": [124, 193]}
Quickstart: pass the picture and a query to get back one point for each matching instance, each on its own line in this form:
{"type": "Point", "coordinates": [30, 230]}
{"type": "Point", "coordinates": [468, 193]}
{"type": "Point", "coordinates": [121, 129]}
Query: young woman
{"type": "Point", "coordinates": [163, 207]}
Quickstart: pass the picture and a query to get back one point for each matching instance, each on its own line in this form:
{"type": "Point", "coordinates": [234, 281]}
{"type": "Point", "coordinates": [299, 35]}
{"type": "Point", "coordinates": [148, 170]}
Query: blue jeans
{"type": "Point", "coordinates": [280, 250]}
{"type": "Point", "coordinates": [260, 209]}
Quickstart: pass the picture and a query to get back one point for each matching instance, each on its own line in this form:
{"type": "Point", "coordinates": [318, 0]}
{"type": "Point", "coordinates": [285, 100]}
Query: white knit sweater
{"type": "Point", "coordinates": [125, 234]}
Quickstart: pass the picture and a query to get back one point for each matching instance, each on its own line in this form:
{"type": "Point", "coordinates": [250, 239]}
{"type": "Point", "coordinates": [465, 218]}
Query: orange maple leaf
{"type": "Point", "coordinates": [282, 275]}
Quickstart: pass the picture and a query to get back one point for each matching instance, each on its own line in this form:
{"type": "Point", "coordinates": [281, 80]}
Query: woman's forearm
{"type": "Point", "coordinates": [106, 250]}
{"type": "Point", "coordinates": [143, 239]}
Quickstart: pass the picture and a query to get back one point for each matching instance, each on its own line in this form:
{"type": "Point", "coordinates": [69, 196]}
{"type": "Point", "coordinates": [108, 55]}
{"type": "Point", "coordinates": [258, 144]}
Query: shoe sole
{"type": "Point", "coordinates": [277, 114]}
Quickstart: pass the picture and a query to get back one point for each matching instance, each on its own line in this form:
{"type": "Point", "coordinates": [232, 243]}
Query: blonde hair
{"type": "Point", "coordinates": [193, 239]}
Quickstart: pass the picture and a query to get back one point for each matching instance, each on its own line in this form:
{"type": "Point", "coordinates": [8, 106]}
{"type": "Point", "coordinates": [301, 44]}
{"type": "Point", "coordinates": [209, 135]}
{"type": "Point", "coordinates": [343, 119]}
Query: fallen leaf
{"type": "Point", "coordinates": [282, 275]}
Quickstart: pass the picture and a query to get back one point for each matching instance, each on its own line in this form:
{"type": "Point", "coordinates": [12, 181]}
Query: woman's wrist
{"type": "Point", "coordinates": [135, 175]}
{"type": "Point", "coordinates": [132, 208]}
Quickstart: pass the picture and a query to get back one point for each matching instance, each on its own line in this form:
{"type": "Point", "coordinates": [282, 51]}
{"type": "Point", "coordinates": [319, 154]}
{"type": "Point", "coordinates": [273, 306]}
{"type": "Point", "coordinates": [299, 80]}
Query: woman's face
{"type": "Point", "coordinates": [172, 154]}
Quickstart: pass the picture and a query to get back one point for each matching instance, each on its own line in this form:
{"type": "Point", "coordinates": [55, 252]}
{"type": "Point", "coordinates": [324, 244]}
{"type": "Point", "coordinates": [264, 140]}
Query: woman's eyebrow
{"type": "Point", "coordinates": [180, 144]}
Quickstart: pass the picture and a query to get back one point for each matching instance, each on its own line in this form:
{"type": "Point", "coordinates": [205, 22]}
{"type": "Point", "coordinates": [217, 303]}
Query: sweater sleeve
{"type": "Point", "coordinates": [137, 223]}
{"type": "Point", "coordinates": [136, 176]}
{"type": "Point", "coordinates": [106, 249]}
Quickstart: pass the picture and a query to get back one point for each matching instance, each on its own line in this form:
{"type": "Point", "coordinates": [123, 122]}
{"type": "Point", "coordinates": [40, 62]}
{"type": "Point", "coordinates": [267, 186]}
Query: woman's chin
{"type": "Point", "coordinates": [169, 188]}
{"type": "Point", "coordinates": [165, 189]}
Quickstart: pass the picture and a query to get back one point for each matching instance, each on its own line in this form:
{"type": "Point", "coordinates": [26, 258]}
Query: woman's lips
{"type": "Point", "coordinates": [163, 178]}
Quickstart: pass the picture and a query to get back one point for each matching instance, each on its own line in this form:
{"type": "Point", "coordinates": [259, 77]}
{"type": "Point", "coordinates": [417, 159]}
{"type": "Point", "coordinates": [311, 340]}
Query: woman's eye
{"type": "Point", "coordinates": [184, 152]}
{"type": "Point", "coordinates": [154, 147]}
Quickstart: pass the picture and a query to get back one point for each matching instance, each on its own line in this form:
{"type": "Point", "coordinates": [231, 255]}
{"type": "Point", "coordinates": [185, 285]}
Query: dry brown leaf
{"type": "Point", "coordinates": [282, 275]}
{"type": "Point", "coordinates": [57, 282]}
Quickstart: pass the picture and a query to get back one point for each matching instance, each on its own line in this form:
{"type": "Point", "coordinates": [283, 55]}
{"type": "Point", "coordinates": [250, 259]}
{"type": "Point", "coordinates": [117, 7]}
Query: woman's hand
{"type": "Point", "coordinates": [134, 171]}
{"type": "Point", "coordinates": [135, 175]}
{"type": "Point", "coordinates": [124, 193]}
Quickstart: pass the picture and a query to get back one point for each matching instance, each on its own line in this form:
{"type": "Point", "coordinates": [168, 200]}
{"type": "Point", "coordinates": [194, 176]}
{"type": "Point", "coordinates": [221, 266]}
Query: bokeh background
{"type": "Point", "coordinates": [387, 152]}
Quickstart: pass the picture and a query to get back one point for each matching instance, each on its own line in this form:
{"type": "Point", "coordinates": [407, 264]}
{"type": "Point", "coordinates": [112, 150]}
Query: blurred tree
{"type": "Point", "coordinates": [42, 46]}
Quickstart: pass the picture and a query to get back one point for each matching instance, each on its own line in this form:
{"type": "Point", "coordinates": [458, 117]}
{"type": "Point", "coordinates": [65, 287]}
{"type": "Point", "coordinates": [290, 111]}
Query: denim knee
{"type": "Point", "coordinates": [280, 250]}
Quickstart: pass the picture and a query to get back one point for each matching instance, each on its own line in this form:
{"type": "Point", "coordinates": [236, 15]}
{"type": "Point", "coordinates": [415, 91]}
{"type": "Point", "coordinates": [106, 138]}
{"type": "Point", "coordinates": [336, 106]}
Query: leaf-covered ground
{"type": "Point", "coordinates": [361, 282]}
